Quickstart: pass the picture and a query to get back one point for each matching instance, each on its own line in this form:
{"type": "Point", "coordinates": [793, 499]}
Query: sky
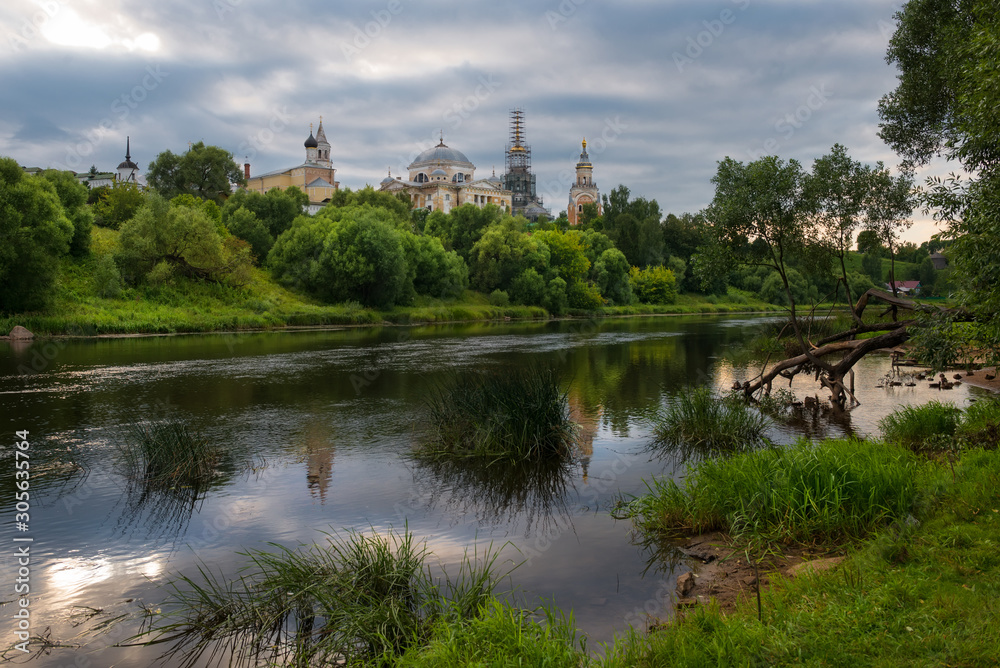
{"type": "Point", "coordinates": [661, 89]}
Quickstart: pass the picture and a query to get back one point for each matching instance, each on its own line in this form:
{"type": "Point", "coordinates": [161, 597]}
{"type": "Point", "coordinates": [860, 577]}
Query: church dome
{"type": "Point", "coordinates": [439, 172]}
{"type": "Point", "coordinates": [311, 142]}
{"type": "Point", "coordinates": [128, 164]}
{"type": "Point", "coordinates": [441, 154]}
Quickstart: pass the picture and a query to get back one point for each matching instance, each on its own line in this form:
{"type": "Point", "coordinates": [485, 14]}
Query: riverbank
{"type": "Point", "coordinates": [191, 306]}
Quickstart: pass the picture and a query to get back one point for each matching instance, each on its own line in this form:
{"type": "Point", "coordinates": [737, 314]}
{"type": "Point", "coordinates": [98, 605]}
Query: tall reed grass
{"type": "Point", "coordinates": [936, 425]}
{"type": "Point", "coordinates": [505, 414]}
{"type": "Point", "coordinates": [358, 599]}
{"type": "Point", "coordinates": [166, 453]}
{"type": "Point", "coordinates": [805, 493]}
{"type": "Point", "coordinates": [698, 423]}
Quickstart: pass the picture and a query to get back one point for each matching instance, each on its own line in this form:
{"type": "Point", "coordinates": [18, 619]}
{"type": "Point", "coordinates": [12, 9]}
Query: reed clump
{"type": "Point", "coordinates": [506, 414]}
{"type": "Point", "coordinates": [167, 453]}
{"type": "Point", "coordinates": [806, 493]}
{"type": "Point", "coordinates": [699, 422]}
{"type": "Point", "coordinates": [356, 599]}
{"type": "Point", "coordinates": [914, 427]}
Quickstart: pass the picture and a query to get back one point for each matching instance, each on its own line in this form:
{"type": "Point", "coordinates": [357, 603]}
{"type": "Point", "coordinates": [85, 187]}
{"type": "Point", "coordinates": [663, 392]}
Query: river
{"type": "Point", "coordinates": [329, 419]}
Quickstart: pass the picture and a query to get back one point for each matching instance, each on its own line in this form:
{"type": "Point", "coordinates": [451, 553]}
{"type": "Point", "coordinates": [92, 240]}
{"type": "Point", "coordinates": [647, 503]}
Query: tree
{"type": "Point", "coordinates": [73, 197]}
{"type": "Point", "coordinates": [836, 190]}
{"type": "Point", "coordinates": [759, 217]}
{"type": "Point", "coordinates": [169, 239]}
{"type": "Point", "coordinates": [208, 172]}
{"type": "Point", "coordinates": [463, 226]}
{"type": "Point", "coordinates": [654, 285]}
{"type": "Point", "coordinates": [259, 219]}
{"type": "Point", "coordinates": [118, 204]}
{"type": "Point", "coordinates": [503, 253]}
{"type": "Point", "coordinates": [634, 226]}
{"type": "Point", "coordinates": [887, 206]}
{"type": "Point", "coordinates": [34, 234]}
{"type": "Point", "coordinates": [612, 271]}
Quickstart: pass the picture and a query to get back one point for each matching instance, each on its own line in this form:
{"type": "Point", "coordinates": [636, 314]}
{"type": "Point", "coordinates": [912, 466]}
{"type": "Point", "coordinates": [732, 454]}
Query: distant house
{"type": "Point", "coordinates": [939, 260]}
{"type": "Point", "coordinates": [905, 287]}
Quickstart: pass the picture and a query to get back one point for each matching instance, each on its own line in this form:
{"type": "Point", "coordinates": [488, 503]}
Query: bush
{"type": "Point", "coordinates": [653, 285]}
{"type": "Point", "coordinates": [107, 280]}
{"type": "Point", "coordinates": [499, 298]}
{"type": "Point", "coordinates": [612, 273]}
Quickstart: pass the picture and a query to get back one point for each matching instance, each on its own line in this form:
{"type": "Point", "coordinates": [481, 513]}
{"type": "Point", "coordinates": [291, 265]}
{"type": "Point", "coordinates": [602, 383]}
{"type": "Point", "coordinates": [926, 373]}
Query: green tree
{"type": "Point", "coordinates": [871, 265]}
{"type": "Point", "coordinates": [653, 285]}
{"type": "Point", "coordinates": [345, 253]}
{"type": "Point", "coordinates": [502, 253]}
{"type": "Point", "coordinates": [634, 226]}
{"type": "Point", "coordinates": [276, 209]}
{"type": "Point", "coordinates": [463, 226]}
{"type": "Point", "coordinates": [398, 205]}
{"type": "Point", "coordinates": [435, 271]}
{"type": "Point", "coordinates": [612, 271]}
{"type": "Point", "coordinates": [758, 217]}
{"type": "Point", "coordinates": [73, 197]}
{"type": "Point", "coordinates": [34, 233]}
{"type": "Point", "coordinates": [887, 207]}
{"type": "Point", "coordinates": [244, 224]}
{"type": "Point", "coordinates": [118, 204]}
{"type": "Point", "coordinates": [835, 191]}
{"type": "Point", "coordinates": [169, 239]}
{"type": "Point", "coordinates": [566, 254]}
{"type": "Point", "coordinates": [207, 172]}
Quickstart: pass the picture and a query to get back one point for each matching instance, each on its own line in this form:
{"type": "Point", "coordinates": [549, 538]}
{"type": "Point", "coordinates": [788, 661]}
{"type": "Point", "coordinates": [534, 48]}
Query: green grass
{"type": "Point", "coordinates": [697, 422]}
{"type": "Point", "coordinates": [357, 598]}
{"type": "Point", "coordinates": [914, 426]}
{"type": "Point", "coordinates": [917, 594]}
{"type": "Point", "coordinates": [806, 493]}
{"type": "Point", "coordinates": [166, 453]}
{"type": "Point", "coordinates": [519, 414]}
{"type": "Point", "coordinates": [942, 426]}
{"type": "Point", "coordinates": [500, 636]}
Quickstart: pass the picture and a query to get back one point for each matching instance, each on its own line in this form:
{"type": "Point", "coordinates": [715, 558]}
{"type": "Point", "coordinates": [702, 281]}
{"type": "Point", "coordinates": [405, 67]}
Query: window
{"type": "Point", "coordinates": [421, 178]}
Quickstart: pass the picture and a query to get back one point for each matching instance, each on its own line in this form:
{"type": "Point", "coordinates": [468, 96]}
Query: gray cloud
{"type": "Point", "coordinates": [682, 83]}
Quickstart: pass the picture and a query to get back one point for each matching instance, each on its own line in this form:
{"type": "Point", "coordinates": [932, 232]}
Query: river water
{"type": "Point", "coordinates": [330, 418]}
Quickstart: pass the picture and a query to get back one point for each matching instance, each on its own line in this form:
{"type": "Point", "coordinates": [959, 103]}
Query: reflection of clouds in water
{"type": "Point", "coordinates": [69, 576]}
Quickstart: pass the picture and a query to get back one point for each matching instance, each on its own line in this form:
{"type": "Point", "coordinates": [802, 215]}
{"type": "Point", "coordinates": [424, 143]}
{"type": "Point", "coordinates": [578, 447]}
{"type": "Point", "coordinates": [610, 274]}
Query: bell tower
{"type": "Point", "coordinates": [584, 191]}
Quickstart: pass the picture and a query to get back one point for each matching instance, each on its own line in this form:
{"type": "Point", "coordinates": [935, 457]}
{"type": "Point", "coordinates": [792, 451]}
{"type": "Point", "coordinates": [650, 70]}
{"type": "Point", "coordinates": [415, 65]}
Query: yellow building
{"type": "Point", "coordinates": [442, 178]}
{"type": "Point", "coordinates": [316, 177]}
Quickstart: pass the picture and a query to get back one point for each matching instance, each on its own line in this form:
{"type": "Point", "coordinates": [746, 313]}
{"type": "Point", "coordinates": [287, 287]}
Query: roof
{"type": "Point", "coordinates": [319, 183]}
{"type": "Point", "coordinates": [906, 285]}
{"type": "Point", "coordinates": [441, 153]}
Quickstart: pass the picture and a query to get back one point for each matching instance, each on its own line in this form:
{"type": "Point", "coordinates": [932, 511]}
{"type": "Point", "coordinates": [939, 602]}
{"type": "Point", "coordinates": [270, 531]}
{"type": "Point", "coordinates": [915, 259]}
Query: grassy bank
{"type": "Point", "coordinates": [920, 592]}
{"type": "Point", "coordinates": [189, 305]}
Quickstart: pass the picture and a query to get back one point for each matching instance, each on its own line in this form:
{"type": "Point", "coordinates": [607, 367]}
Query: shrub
{"type": "Point", "coordinates": [107, 280]}
{"type": "Point", "coordinates": [653, 285]}
{"type": "Point", "coordinates": [499, 298]}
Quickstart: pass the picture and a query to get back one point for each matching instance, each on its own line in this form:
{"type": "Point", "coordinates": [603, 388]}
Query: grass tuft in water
{"type": "Point", "coordinates": [355, 599]}
{"type": "Point", "coordinates": [697, 422]}
{"type": "Point", "coordinates": [511, 413]}
{"type": "Point", "coordinates": [167, 453]}
{"type": "Point", "coordinates": [806, 493]}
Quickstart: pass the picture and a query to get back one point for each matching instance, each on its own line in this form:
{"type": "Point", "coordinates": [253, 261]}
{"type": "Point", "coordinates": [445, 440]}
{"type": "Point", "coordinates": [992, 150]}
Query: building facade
{"type": "Point", "coordinates": [442, 178]}
{"type": "Point", "coordinates": [316, 177]}
{"type": "Point", "coordinates": [584, 190]}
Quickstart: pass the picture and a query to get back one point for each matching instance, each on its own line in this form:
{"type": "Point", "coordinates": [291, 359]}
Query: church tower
{"type": "Point", "coordinates": [128, 171]}
{"type": "Point", "coordinates": [322, 146]}
{"type": "Point", "coordinates": [584, 191]}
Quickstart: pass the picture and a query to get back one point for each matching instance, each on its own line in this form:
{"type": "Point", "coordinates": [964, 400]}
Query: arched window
{"type": "Point", "coordinates": [421, 178]}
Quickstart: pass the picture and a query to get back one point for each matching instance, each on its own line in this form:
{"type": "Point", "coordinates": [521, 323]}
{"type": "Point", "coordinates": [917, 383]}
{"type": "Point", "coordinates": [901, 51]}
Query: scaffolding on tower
{"type": "Point", "coordinates": [518, 179]}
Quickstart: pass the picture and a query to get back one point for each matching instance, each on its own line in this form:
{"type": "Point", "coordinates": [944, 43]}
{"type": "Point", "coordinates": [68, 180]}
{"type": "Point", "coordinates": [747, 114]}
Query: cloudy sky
{"type": "Point", "coordinates": [661, 89]}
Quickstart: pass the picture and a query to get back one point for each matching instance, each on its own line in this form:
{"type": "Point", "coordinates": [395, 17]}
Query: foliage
{"type": "Point", "coordinates": [462, 227]}
{"type": "Point", "coordinates": [806, 493]}
{"type": "Point", "coordinates": [435, 272]}
{"type": "Point", "coordinates": [107, 280]}
{"type": "Point", "coordinates": [527, 288]}
{"type": "Point", "coordinates": [634, 227]}
{"type": "Point", "coordinates": [566, 254]}
{"type": "Point", "coordinates": [244, 224]}
{"type": "Point", "coordinates": [165, 239]}
{"type": "Point", "coordinates": [273, 213]}
{"type": "Point", "coordinates": [118, 204]}
{"type": "Point", "coordinates": [206, 172]}
{"type": "Point", "coordinates": [696, 421]}
{"type": "Point", "coordinates": [508, 414]}
{"type": "Point", "coordinates": [73, 197]}
{"type": "Point", "coordinates": [612, 274]}
{"type": "Point", "coordinates": [499, 298]}
{"type": "Point", "coordinates": [556, 297]}
{"type": "Point", "coordinates": [34, 233]}
{"type": "Point", "coordinates": [653, 285]}
{"type": "Point", "coordinates": [398, 205]}
{"type": "Point", "coordinates": [502, 253]}
{"type": "Point", "coordinates": [345, 253]}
